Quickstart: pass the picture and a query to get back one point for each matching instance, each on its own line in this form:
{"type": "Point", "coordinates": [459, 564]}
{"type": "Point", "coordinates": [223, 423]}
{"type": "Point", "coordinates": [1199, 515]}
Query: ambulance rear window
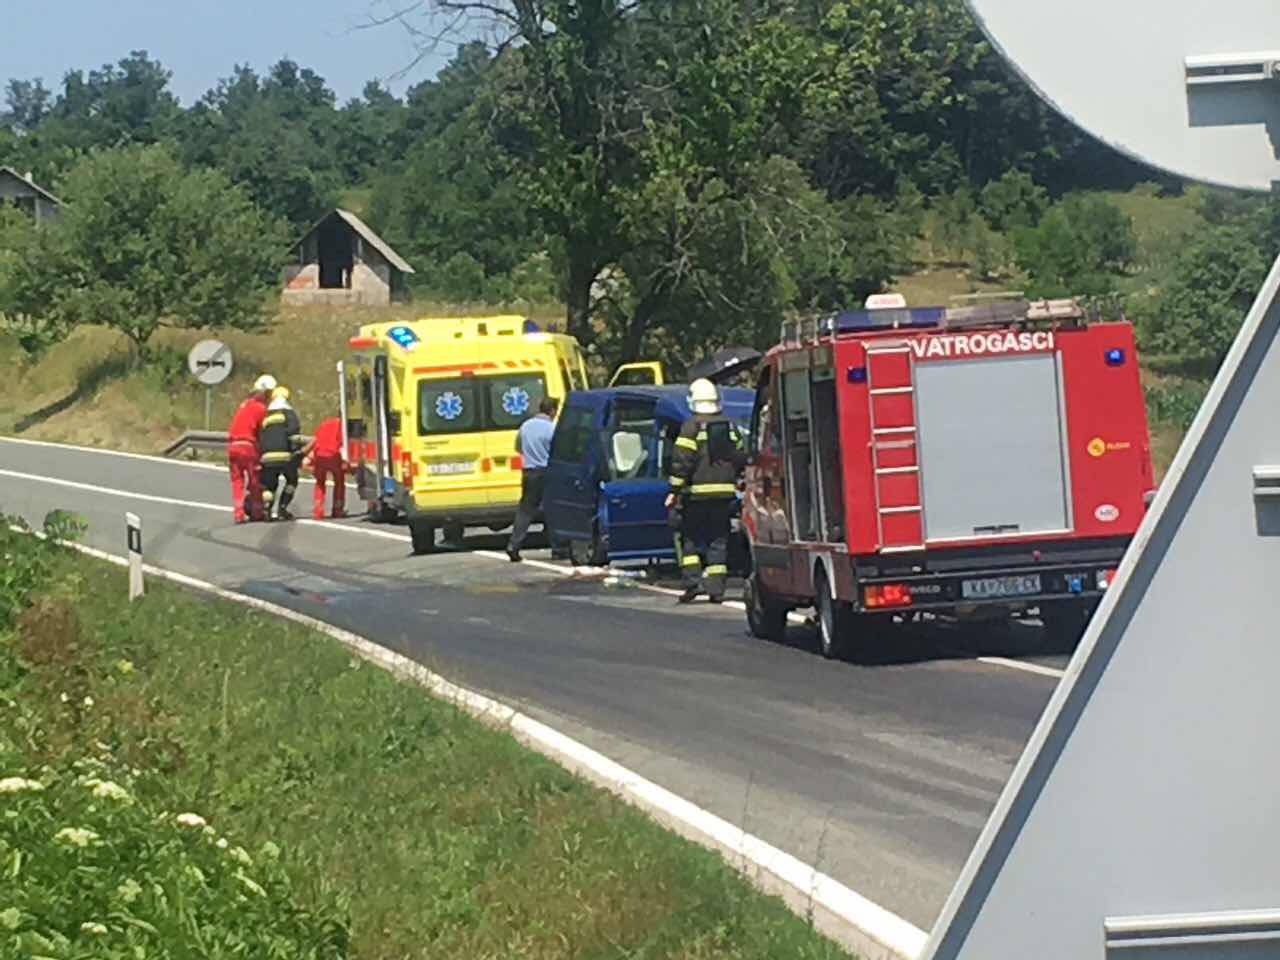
{"type": "Point", "coordinates": [513, 399]}
{"type": "Point", "coordinates": [450, 406]}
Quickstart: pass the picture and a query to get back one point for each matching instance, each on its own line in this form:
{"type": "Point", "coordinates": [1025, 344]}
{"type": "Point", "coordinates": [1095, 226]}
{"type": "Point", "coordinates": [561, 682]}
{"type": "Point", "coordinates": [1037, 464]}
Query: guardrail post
{"type": "Point", "coordinates": [133, 532]}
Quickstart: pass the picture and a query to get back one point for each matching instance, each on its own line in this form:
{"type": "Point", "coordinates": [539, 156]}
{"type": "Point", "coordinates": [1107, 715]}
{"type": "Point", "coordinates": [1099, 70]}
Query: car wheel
{"type": "Point", "coordinates": [423, 536]}
{"type": "Point", "coordinates": [589, 553]}
{"type": "Point", "coordinates": [834, 621]}
{"type": "Point", "coordinates": [766, 618]}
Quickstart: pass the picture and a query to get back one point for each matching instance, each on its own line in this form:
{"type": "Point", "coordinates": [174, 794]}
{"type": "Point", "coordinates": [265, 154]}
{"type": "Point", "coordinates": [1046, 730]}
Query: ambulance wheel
{"type": "Point", "coordinates": [835, 621]}
{"type": "Point", "coordinates": [424, 538]}
{"type": "Point", "coordinates": [454, 533]}
{"type": "Point", "coordinates": [766, 618]}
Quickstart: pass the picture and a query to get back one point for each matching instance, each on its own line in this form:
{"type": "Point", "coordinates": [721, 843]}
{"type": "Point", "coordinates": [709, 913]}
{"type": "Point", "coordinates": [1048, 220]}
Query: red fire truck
{"type": "Point", "coordinates": [974, 461]}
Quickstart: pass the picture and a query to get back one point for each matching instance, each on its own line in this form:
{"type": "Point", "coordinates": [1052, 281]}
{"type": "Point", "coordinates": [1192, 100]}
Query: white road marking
{"type": "Point", "coordinates": [1025, 666]}
{"type": "Point", "coordinates": [568, 572]}
{"type": "Point", "coordinates": [868, 928]}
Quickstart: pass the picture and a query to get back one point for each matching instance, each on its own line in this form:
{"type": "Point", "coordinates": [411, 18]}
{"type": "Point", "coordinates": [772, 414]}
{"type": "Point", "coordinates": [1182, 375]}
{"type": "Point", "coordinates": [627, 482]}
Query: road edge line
{"type": "Point", "coordinates": [838, 911]}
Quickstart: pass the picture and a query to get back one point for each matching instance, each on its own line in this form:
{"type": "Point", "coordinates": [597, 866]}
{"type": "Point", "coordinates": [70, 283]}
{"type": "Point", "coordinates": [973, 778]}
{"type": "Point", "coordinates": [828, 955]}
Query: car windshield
{"type": "Point", "coordinates": [476, 404]}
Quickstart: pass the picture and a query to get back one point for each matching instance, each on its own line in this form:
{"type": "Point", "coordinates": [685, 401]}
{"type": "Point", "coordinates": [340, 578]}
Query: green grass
{"type": "Point", "coordinates": [435, 835]}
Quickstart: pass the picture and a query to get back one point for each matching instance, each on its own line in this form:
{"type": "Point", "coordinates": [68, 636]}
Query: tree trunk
{"type": "Point", "coordinates": [638, 326]}
{"type": "Point", "coordinates": [582, 274]}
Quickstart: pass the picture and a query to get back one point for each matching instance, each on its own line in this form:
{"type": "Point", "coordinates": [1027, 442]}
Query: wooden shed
{"type": "Point", "coordinates": [341, 261]}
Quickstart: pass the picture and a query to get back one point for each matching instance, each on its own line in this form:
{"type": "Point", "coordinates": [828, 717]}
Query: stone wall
{"type": "Point", "coordinates": [370, 286]}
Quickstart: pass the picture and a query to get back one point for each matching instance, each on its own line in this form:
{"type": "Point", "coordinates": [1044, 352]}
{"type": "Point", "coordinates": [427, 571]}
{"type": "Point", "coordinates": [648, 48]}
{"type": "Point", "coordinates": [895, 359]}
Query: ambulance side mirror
{"type": "Point", "coordinates": [393, 423]}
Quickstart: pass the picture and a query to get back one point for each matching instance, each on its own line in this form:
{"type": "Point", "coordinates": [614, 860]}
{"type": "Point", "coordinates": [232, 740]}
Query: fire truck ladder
{"type": "Point", "coordinates": [895, 455]}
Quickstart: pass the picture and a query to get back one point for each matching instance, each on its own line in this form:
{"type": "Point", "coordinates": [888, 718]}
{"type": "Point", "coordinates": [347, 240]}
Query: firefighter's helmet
{"type": "Point", "coordinates": [704, 397]}
{"type": "Point", "coordinates": [265, 383]}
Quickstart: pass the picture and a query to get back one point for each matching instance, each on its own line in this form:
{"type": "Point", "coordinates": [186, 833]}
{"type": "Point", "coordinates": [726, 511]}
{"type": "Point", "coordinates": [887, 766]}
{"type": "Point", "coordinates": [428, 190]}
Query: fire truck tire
{"type": "Point", "coordinates": [1064, 625]}
{"type": "Point", "coordinates": [423, 536]}
{"type": "Point", "coordinates": [766, 618]}
{"type": "Point", "coordinates": [835, 621]}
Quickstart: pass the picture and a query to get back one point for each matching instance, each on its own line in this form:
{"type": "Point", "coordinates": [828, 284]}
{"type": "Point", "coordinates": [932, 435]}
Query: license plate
{"type": "Point", "coordinates": [991, 587]}
{"type": "Point", "coordinates": [449, 467]}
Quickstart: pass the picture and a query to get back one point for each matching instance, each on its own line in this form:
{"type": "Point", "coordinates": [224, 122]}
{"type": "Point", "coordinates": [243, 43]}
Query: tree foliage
{"type": "Point", "coordinates": [1081, 246]}
{"type": "Point", "coordinates": [143, 244]}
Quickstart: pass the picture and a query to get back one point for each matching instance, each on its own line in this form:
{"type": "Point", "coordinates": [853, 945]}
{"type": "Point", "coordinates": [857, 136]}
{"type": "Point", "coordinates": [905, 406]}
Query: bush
{"type": "Point", "coordinates": [1080, 247]}
{"type": "Point", "coordinates": [27, 560]}
{"type": "Point", "coordinates": [1176, 403]}
{"type": "Point", "coordinates": [1014, 201]}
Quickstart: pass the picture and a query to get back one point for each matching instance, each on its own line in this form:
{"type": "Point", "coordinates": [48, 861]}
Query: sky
{"type": "Point", "coordinates": [201, 42]}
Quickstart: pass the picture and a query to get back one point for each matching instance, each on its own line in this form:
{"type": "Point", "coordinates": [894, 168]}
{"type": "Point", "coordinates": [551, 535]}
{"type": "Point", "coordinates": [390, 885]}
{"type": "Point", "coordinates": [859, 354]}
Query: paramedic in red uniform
{"type": "Point", "coordinates": [242, 451]}
{"type": "Point", "coordinates": [324, 457]}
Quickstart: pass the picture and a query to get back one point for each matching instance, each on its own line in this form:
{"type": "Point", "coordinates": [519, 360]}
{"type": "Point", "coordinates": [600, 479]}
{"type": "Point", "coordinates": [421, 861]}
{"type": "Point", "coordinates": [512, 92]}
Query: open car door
{"type": "Point", "coordinates": [647, 374]}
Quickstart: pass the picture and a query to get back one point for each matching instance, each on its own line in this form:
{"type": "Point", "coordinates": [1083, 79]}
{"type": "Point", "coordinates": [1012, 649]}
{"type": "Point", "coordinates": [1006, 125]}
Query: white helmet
{"type": "Point", "coordinates": [265, 383]}
{"type": "Point", "coordinates": [704, 397]}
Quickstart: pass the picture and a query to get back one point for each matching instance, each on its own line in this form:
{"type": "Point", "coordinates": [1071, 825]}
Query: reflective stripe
{"type": "Point", "coordinates": [717, 570]}
{"type": "Point", "coordinates": [713, 489]}
{"type": "Point", "coordinates": [702, 436]}
{"type": "Point", "coordinates": [271, 419]}
{"type": "Point", "coordinates": [275, 457]}
{"type": "Point", "coordinates": [687, 443]}
{"type": "Point", "coordinates": [676, 481]}
{"type": "Point", "coordinates": [692, 561]}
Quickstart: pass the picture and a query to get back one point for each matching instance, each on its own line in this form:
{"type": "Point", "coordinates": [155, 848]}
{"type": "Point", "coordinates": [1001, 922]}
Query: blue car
{"type": "Point", "coordinates": [610, 458]}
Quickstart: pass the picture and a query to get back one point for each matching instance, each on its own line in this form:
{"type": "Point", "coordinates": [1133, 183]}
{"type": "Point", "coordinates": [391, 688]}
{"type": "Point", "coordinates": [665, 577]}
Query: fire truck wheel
{"type": "Point", "coordinates": [1064, 625]}
{"type": "Point", "coordinates": [835, 621]}
{"type": "Point", "coordinates": [423, 536]}
{"type": "Point", "coordinates": [766, 618]}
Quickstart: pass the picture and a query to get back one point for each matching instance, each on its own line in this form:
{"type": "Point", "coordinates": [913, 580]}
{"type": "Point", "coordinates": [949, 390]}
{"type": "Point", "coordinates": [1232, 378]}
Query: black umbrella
{"type": "Point", "coordinates": [724, 364]}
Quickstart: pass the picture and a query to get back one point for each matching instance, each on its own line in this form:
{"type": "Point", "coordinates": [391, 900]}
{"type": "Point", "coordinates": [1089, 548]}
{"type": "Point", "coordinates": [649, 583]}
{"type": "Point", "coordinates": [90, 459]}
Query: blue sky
{"type": "Point", "coordinates": [201, 42]}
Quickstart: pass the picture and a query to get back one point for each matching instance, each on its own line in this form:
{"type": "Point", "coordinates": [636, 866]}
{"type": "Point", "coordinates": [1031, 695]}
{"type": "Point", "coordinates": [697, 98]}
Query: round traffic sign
{"type": "Point", "coordinates": [210, 362]}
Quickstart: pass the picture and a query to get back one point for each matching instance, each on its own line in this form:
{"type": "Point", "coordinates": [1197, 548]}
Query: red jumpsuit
{"type": "Point", "coordinates": [327, 455]}
{"type": "Point", "coordinates": [242, 455]}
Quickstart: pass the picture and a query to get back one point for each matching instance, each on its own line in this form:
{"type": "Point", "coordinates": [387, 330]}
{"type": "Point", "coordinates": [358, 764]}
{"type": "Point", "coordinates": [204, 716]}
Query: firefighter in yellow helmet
{"type": "Point", "coordinates": [706, 463]}
{"type": "Point", "coordinates": [281, 443]}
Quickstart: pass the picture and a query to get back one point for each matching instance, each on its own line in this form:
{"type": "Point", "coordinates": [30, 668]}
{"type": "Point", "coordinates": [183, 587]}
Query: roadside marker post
{"type": "Point", "coordinates": [133, 534]}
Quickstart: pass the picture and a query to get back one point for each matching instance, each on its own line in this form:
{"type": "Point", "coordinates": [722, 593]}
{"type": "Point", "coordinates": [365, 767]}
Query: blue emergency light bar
{"type": "Point", "coordinates": [860, 321]}
{"type": "Point", "coordinates": [403, 337]}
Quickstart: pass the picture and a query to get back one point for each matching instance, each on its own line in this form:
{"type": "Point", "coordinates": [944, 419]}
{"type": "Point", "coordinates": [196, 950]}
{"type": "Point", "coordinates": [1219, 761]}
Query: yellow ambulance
{"type": "Point", "coordinates": [432, 408]}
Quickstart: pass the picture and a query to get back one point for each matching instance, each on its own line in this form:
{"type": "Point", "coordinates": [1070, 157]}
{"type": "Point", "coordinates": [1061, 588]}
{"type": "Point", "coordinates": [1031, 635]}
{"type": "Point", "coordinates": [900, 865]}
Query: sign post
{"type": "Point", "coordinates": [210, 362]}
{"type": "Point", "coordinates": [133, 535]}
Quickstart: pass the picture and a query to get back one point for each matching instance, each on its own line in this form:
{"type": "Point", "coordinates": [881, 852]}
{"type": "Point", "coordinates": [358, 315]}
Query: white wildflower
{"type": "Point", "coordinates": [87, 702]}
{"type": "Point", "coordinates": [129, 891]}
{"type": "Point", "coordinates": [210, 832]}
{"type": "Point", "coordinates": [251, 885]}
{"type": "Point", "coordinates": [20, 785]}
{"type": "Point", "coordinates": [222, 843]}
{"type": "Point", "coordinates": [76, 836]}
{"type": "Point", "coordinates": [195, 873]}
{"type": "Point", "coordinates": [10, 919]}
{"type": "Point", "coordinates": [241, 856]}
{"type": "Point", "coordinates": [124, 667]}
{"type": "Point", "coordinates": [97, 929]}
{"type": "Point", "coordinates": [106, 790]}
{"type": "Point", "coordinates": [270, 851]}
{"type": "Point", "coordinates": [193, 820]}
{"type": "Point", "coordinates": [64, 698]}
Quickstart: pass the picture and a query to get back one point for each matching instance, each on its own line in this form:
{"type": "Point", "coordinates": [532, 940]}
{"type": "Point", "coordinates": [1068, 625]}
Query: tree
{"type": "Point", "coordinates": [27, 103]}
{"type": "Point", "coordinates": [1080, 247]}
{"type": "Point", "coordinates": [144, 244]}
{"type": "Point", "coordinates": [1013, 201]}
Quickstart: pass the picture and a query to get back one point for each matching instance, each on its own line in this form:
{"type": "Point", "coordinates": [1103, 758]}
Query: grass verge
{"type": "Point", "coordinates": [356, 815]}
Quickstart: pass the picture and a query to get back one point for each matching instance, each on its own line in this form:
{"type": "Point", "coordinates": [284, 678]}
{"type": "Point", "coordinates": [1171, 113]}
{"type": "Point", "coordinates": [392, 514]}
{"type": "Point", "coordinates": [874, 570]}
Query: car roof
{"type": "Point", "coordinates": [672, 399]}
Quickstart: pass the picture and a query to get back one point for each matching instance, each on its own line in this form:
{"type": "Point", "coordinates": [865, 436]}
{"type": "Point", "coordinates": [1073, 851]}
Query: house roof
{"type": "Point", "coordinates": [366, 232]}
{"type": "Point", "coordinates": [10, 172]}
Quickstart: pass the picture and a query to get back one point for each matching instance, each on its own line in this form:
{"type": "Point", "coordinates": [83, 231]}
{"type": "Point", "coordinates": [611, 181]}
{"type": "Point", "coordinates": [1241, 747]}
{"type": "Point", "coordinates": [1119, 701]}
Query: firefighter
{"type": "Point", "coordinates": [323, 457]}
{"type": "Point", "coordinates": [707, 460]}
{"type": "Point", "coordinates": [281, 446]}
{"type": "Point", "coordinates": [242, 450]}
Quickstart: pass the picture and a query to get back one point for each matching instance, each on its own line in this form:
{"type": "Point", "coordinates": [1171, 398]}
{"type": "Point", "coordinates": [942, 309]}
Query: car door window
{"type": "Point", "coordinates": [632, 441]}
{"type": "Point", "coordinates": [573, 435]}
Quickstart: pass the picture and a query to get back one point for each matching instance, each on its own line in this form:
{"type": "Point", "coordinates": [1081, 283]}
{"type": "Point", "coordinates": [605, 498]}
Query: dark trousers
{"type": "Point", "coordinates": [272, 474]}
{"type": "Point", "coordinates": [532, 483]}
{"type": "Point", "coordinates": [702, 544]}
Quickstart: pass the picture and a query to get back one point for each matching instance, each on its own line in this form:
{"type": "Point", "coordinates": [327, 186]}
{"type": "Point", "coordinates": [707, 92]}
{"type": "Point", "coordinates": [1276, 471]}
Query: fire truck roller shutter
{"type": "Point", "coordinates": [992, 448]}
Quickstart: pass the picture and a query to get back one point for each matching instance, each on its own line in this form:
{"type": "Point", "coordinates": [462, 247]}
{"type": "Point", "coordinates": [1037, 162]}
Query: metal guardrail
{"type": "Point", "coordinates": [196, 440]}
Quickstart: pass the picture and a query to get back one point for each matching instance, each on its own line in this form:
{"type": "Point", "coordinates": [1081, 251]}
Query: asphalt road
{"type": "Point", "coordinates": [880, 774]}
